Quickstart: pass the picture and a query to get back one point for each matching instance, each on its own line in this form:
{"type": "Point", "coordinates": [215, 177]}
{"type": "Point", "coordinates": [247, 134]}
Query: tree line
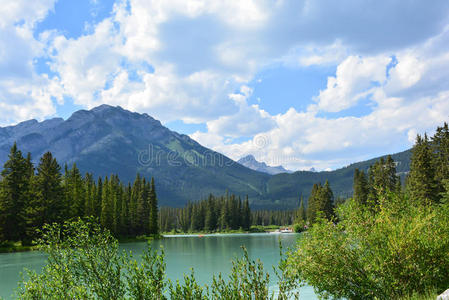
{"type": "Point", "coordinates": [31, 197]}
{"type": "Point", "coordinates": [227, 212]}
{"type": "Point", "coordinates": [429, 168]}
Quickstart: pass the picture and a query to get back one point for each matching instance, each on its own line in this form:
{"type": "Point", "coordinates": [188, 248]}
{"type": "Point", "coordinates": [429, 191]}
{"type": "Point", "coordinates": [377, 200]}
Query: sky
{"type": "Point", "coordinates": [300, 83]}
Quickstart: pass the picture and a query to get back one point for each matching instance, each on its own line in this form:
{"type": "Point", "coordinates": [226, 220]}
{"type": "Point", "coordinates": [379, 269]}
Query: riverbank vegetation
{"type": "Point", "coordinates": [31, 197]}
{"type": "Point", "coordinates": [84, 263]}
{"type": "Point", "coordinates": [389, 241]}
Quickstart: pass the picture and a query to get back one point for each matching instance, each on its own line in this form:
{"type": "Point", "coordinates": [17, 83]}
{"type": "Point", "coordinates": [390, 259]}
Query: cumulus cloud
{"type": "Point", "coordinates": [194, 61]}
{"type": "Point", "coordinates": [24, 94]}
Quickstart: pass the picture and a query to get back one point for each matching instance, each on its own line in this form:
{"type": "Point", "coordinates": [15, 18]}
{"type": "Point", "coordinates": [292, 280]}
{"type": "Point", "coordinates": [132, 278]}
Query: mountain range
{"type": "Point", "coordinates": [250, 161]}
{"type": "Point", "coordinates": [111, 140]}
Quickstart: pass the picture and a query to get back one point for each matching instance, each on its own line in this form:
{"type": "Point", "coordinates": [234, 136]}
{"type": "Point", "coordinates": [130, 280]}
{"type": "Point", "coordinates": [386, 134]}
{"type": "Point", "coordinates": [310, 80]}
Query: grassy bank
{"type": "Point", "coordinates": [253, 229]}
{"type": "Point", "coordinates": [11, 247]}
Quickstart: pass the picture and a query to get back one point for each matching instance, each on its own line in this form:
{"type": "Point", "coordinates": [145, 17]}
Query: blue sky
{"type": "Point", "coordinates": [300, 83]}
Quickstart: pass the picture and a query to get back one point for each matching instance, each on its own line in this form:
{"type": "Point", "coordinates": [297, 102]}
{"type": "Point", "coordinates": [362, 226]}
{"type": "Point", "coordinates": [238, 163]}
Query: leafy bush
{"type": "Point", "coordinates": [84, 263]}
{"type": "Point", "coordinates": [398, 250]}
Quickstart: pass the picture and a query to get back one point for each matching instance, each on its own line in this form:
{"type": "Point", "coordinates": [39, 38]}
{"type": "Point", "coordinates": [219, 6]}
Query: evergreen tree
{"type": "Point", "coordinates": [210, 222]}
{"type": "Point", "coordinates": [153, 215]}
{"type": "Point", "coordinates": [328, 200]}
{"type": "Point", "coordinates": [440, 149]}
{"type": "Point", "coordinates": [312, 203]}
{"type": "Point", "coordinates": [301, 213]}
{"type": "Point", "coordinates": [360, 187]}
{"type": "Point", "coordinates": [46, 203]}
{"type": "Point", "coordinates": [246, 222]}
{"type": "Point", "coordinates": [124, 213]}
{"type": "Point", "coordinates": [421, 183]}
{"type": "Point", "coordinates": [89, 209]}
{"type": "Point", "coordinates": [107, 213]}
{"type": "Point", "coordinates": [76, 193]}
{"type": "Point", "coordinates": [14, 191]}
{"type": "Point", "coordinates": [135, 195]}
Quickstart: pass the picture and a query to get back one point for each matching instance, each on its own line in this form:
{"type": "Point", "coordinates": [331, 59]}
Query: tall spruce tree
{"type": "Point", "coordinates": [421, 183]}
{"type": "Point", "coordinates": [301, 212]}
{"type": "Point", "coordinates": [153, 205]}
{"type": "Point", "coordinates": [440, 149]}
{"type": "Point", "coordinates": [14, 192]}
{"type": "Point", "coordinates": [360, 187]}
{"type": "Point", "coordinates": [47, 201]}
{"type": "Point", "coordinates": [246, 214]}
{"type": "Point", "coordinates": [328, 200]}
{"type": "Point", "coordinates": [312, 203]}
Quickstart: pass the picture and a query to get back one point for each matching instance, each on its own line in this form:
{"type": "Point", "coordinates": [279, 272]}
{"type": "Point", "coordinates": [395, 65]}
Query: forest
{"type": "Point", "coordinates": [220, 214]}
{"type": "Point", "coordinates": [31, 197]}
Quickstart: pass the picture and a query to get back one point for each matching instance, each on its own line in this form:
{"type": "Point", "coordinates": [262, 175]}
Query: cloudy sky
{"type": "Point", "coordinates": [302, 83]}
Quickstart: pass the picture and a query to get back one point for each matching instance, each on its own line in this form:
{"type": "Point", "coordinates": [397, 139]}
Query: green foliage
{"type": "Point", "coordinates": [421, 181]}
{"type": "Point", "coordinates": [320, 201]}
{"type": "Point", "coordinates": [84, 263]}
{"type": "Point", "coordinates": [46, 199]}
{"type": "Point", "coordinates": [246, 281]}
{"type": "Point", "coordinates": [14, 196]}
{"type": "Point", "coordinates": [300, 226]}
{"type": "Point", "coordinates": [399, 251]}
{"type": "Point", "coordinates": [301, 213]}
{"type": "Point", "coordinates": [360, 187]}
{"type": "Point", "coordinates": [28, 200]}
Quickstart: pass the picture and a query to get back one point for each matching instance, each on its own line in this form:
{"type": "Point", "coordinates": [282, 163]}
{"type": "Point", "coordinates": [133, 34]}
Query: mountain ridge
{"type": "Point", "coordinates": [250, 161]}
{"type": "Point", "coordinates": [111, 140]}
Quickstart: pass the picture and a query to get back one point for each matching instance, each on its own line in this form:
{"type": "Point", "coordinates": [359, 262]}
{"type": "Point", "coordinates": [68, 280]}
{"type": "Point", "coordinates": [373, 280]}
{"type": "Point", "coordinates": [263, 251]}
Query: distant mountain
{"type": "Point", "coordinates": [110, 140]}
{"type": "Point", "coordinates": [250, 161]}
{"type": "Point", "coordinates": [285, 189]}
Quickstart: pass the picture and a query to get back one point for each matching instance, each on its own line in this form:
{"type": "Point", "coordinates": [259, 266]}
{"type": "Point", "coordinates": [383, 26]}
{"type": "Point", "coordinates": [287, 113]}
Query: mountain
{"type": "Point", "coordinates": [110, 140]}
{"type": "Point", "coordinates": [286, 189]}
{"type": "Point", "coordinates": [250, 161]}
{"type": "Point", "coordinates": [107, 140]}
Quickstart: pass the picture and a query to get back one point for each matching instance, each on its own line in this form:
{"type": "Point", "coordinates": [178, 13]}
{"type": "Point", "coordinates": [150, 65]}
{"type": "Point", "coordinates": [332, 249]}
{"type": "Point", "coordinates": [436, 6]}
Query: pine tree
{"type": "Point", "coordinates": [210, 222]}
{"type": "Point", "coordinates": [328, 200]}
{"type": "Point", "coordinates": [89, 209]}
{"type": "Point", "coordinates": [440, 149]}
{"type": "Point", "coordinates": [153, 215]}
{"type": "Point", "coordinates": [421, 183]}
{"type": "Point", "coordinates": [135, 195]}
{"type": "Point", "coordinates": [46, 204]}
{"type": "Point", "coordinates": [142, 208]}
{"type": "Point", "coordinates": [14, 190]}
{"type": "Point", "coordinates": [246, 214]}
{"type": "Point", "coordinates": [360, 187]}
{"type": "Point", "coordinates": [107, 213]}
{"type": "Point", "coordinates": [124, 213]}
{"type": "Point", "coordinates": [301, 212]}
{"type": "Point", "coordinates": [312, 203]}
{"type": "Point", "coordinates": [75, 194]}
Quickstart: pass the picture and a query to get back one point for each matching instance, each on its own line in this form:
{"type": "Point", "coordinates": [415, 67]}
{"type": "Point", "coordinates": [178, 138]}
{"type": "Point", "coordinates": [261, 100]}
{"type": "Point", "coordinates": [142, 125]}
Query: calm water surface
{"type": "Point", "coordinates": [207, 255]}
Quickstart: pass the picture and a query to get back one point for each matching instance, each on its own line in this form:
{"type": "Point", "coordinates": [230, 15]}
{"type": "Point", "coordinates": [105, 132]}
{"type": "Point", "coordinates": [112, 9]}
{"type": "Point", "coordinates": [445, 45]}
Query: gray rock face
{"type": "Point", "coordinates": [250, 161]}
{"type": "Point", "coordinates": [444, 296]}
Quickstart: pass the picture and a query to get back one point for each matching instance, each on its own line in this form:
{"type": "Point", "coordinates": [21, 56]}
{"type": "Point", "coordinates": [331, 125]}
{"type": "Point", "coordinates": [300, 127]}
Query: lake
{"type": "Point", "coordinates": [207, 255]}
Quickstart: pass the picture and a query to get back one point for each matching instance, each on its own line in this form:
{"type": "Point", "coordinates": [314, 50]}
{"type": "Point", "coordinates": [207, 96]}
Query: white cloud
{"type": "Point", "coordinates": [24, 94]}
{"type": "Point", "coordinates": [192, 60]}
{"type": "Point", "coordinates": [353, 81]}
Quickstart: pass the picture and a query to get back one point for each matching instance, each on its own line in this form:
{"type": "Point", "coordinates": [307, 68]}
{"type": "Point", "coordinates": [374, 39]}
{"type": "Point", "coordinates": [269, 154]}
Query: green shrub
{"type": "Point", "coordinates": [397, 250]}
{"type": "Point", "coordinates": [84, 263]}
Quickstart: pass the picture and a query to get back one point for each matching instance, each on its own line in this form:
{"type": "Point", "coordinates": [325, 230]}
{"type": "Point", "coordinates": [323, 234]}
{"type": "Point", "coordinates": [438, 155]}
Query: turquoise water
{"type": "Point", "coordinates": [207, 255]}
